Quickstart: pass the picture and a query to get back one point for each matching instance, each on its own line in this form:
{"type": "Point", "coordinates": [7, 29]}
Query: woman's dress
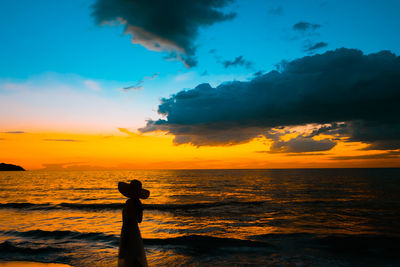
{"type": "Point", "coordinates": [131, 250]}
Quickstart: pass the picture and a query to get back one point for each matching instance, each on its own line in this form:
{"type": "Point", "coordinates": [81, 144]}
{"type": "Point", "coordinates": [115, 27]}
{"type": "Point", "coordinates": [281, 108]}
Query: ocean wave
{"type": "Point", "coordinates": [59, 234]}
{"type": "Point", "coordinates": [206, 241]}
{"type": "Point", "coordinates": [355, 244]}
{"type": "Point", "coordinates": [24, 206]}
{"type": "Point", "coordinates": [376, 245]}
{"type": "Point", "coordinates": [186, 240]}
{"type": "Point", "coordinates": [200, 205]}
{"type": "Point", "coordinates": [13, 247]}
{"type": "Point", "coordinates": [117, 206]}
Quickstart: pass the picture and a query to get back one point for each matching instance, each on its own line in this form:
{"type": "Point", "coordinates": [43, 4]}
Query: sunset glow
{"type": "Point", "coordinates": [58, 151]}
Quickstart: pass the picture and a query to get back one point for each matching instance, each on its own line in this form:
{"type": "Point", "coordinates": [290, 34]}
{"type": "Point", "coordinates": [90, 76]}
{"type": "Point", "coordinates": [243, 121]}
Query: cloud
{"type": "Point", "coordinates": [316, 46]}
{"type": "Point", "coordinates": [124, 130]}
{"type": "Point", "coordinates": [168, 25]}
{"type": "Point", "coordinates": [258, 73]}
{"type": "Point", "coordinates": [92, 85]}
{"type": "Point", "coordinates": [306, 29]}
{"type": "Point", "coordinates": [130, 133]}
{"type": "Point", "coordinates": [238, 61]}
{"type": "Point", "coordinates": [61, 140]}
{"type": "Point", "coordinates": [14, 132]}
{"type": "Point", "coordinates": [275, 10]}
{"type": "Point", "coordinates": [343, 93]}
{"type": "Point", "coordinates": [332, 129]}
{"type": "Point", "coordinates": [384, 155]}
{"type": "Point", "coordinates": [323, 4]}
{"type": "Point", "coordinates": [71, 166]}
{"type": "Point", "coordinates": [293, 154]}
{"type": "Point", "coordinates": [379, 133]}
{"type": "Point", "coordinates": [305, 26]}
{"type": "Point", "coordinates": [301, 144]}
{"type": "Point", "coordinates": [139, 84]}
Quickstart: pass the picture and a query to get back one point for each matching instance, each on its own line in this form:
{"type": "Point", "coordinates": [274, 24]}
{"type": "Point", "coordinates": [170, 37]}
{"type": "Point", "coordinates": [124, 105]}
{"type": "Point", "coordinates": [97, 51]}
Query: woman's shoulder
{"type": "Point", "coordinates": [130, 204]}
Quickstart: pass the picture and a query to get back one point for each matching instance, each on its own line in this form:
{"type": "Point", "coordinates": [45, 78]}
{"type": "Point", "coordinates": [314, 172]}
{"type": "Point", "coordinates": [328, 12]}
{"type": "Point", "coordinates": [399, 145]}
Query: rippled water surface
{"type": "Point", "coordinates": [322, 217]}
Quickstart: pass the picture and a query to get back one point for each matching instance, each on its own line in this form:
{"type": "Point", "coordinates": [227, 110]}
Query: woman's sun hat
{"type": "Point", "coordinates": [133, 189]}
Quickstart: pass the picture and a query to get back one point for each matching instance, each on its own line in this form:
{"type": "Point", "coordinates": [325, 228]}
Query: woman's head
{"type": "Point", "coordinates": [133, 190]}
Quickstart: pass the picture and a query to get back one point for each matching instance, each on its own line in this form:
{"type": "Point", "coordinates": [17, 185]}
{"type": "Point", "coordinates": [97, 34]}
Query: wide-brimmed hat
{"type": "Point", "coordinates": [133, 189]}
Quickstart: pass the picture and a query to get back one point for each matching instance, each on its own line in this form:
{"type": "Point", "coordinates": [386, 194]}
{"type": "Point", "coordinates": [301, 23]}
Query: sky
{"type": "Point", "coordinates": [147, 84]}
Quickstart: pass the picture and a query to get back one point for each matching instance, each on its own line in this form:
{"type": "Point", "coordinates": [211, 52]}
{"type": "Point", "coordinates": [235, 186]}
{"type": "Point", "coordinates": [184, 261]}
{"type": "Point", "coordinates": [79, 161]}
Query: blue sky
{"type": "Point", "coordinates": [46, 45]}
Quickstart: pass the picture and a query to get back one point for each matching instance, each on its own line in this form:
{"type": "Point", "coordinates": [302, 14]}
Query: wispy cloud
{"type": "Point", "coordinates": [139, 84]}
{"type": "Point", "coordinates": [292, 154]}
{"type": "Point", "coordinates": [311, 47]}
{"type": "Point", "coordinates": [125, 130]}
{"type": "Point", "coordinates": [275, 10]}
{"type": "Point", "coordinates": [14, 132]}
{"type": "Point", "coordinates": [385, 155]}
{"type": "Point", "coordinates": [305, 26]}
{"type": "Point", "coordinates": [92, 85]}
{"type": "Point", "coordinates": [238, 61]}
{"type": "Point", "coordinates": [66, 166]}
{"type": "Point", "coordinates": [61, 140]}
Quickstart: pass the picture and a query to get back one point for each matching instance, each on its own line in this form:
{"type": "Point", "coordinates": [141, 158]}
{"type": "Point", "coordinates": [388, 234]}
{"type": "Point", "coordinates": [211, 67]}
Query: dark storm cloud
{"type": "Point", "coordinates": [316, 46]}
{"type": "Point", "coordinates": [238, 61]}
{"type": "Point", "coordinates": [381, 133]}
{"type": "Point", "coordinates": [351, 96]}
{"type": "Point", "coordinates": [168, 25]}
{"type": "Point", "coordinates": [305, 26]}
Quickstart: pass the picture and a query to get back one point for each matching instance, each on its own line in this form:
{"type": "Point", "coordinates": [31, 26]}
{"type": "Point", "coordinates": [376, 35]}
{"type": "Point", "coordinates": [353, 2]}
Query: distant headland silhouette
{"type": "Point", "coordinates": [10, 167]}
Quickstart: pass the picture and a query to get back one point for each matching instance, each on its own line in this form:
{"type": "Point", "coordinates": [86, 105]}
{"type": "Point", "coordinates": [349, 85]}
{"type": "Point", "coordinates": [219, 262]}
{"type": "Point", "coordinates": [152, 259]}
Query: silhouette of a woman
{"type": "Point", "coordinates": [131, 250]}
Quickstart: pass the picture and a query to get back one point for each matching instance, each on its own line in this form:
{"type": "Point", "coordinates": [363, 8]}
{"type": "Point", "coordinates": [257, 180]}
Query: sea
{"type": "Point", "coordinates": [291, 217]}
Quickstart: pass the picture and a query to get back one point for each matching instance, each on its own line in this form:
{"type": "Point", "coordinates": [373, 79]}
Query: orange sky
{"type": "Point", "coordinates": [127, 150]}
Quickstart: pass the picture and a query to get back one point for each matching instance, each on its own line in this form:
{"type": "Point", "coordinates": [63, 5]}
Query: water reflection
{"type": "Point", "coordinates": [240, 204]}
